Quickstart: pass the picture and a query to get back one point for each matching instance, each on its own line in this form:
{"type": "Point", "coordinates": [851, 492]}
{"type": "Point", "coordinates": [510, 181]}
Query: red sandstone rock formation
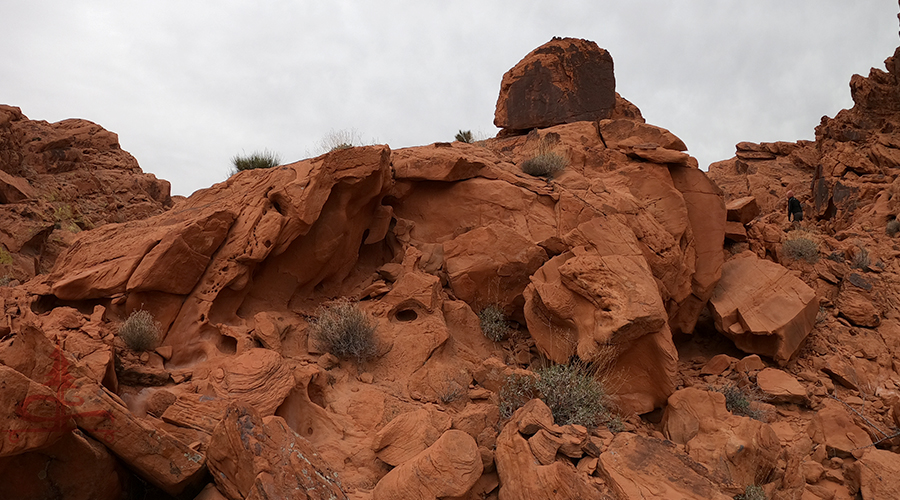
{"type": "Point", "coordinates": [613, 260]}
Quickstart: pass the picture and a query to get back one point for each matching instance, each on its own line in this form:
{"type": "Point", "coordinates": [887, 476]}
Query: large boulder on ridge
{"type": "Point", "coordinates": [563, 81]}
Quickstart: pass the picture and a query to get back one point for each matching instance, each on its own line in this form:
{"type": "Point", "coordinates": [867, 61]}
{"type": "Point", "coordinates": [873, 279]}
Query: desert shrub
{"type": "Point", "coordinates": [140, 332]}
{"type": "Point", "coordinates": [516, 391]}
{"type": "Point", "coordinates": [345, 331]}
{"type": "Point", "coordinates": [573, 394]}
{"type": "Point", "coordinates": [493, 323]}
{"type": "Point", "coordinates": [264, 159]}
{"type": "Point", "coordinates": [544, 164]}
{"type": "Point", "coordinates": [860, 259]}
{"type": "Point", "coordinates": [5, 256]}
{"type": "Point", "coordinates": [836, 256]}
{"type": "Point", "coordinates": [752, 492]}
{"type": "Point", "coordinates": [893, 227]}
{"type": "Point", "coordinates": [738, 400]}
{"type": "Point", "coordinates": [340, 139]}
{"type": "Point", "coordinates": [465, 136]}
{"type": "Point", "coordinates": [798, 245]}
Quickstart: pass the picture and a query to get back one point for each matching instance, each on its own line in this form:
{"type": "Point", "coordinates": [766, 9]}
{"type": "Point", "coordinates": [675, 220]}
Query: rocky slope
{"type": "Point", "coordinates": [619, 262]}
{"type": "Point", "coordinates": [57, 179]}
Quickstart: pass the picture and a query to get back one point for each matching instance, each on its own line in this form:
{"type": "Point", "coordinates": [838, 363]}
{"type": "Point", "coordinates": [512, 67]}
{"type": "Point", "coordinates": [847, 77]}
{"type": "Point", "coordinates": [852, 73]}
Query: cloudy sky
{"type": "Point", "coordinates": [188, 84]}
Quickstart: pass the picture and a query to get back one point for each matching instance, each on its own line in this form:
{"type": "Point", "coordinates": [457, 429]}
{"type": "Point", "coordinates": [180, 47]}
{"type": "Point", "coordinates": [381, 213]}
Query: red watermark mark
{"type": "Point", "coordinates": [64, 408]}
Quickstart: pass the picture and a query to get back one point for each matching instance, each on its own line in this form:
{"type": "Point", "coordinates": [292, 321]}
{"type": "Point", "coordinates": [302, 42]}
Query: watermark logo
{"type": "Point", "coordinates": [33, 408]}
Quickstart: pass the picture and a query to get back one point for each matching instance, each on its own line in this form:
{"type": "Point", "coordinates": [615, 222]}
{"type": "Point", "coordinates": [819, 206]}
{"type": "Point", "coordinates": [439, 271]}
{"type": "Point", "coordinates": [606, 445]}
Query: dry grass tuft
{"type": "Point", "coordinates": [140, 331]}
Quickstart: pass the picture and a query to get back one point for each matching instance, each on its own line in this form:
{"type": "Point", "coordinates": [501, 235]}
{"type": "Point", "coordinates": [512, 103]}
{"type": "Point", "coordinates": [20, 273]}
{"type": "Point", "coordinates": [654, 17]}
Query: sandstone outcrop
{"type": "Point", "coordinates": [627, 261]}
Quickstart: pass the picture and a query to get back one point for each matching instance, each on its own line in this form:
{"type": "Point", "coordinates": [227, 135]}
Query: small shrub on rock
{"type": "Point", "coordinates": [752, 492]}
{"type": "Point", "coordinates": [345, 331]}
{"type": "Point", "coordinates": [893, 227]}
{"type": "Point", "coordinates": [265, 159]}
{"type": "Point", "coordinates": [572, 393]}
{"type": "Point", "coordinates": [140, 332]}
{"type": "Point", "coordinates": [739, 401]}
{"type": "Point", "coordinates": [493, 323]}
{"type": "Point", "coordinates": [545, 164]}
{"type": "Point", "coordinates": [799, 245]}
{"type": "Point", "coordinates": [465, 136]}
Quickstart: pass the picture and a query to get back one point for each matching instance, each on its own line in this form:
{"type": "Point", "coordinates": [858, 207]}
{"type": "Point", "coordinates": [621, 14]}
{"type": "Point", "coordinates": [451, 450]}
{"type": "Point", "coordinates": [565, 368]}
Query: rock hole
{"type": "Point", "coordinates": [406, 315]}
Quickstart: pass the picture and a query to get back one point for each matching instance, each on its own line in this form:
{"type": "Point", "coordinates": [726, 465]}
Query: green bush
{"type": "Point", "coordinates": [798, 245]}
{"type": "Point", "coordinates": [572, 393]}
{"type": "Point", "coordinates": [892, 228]}
{"type": "Point", "coordinates": [140, 332]}
{"type": "Point", "coordinates": [465, 136]}
{"type": "Point", "coordinates": [345, 331]}
{"type": "Point", "coordinates": [265, 159]}
{"type": "Point", "coordinates": [493, 323]}
{"type": "Point", "coordinates": [544, 164]}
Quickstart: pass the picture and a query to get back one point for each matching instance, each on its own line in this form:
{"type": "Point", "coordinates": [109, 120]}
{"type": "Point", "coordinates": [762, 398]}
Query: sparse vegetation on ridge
{"type": "Point", "coordinates": [140, 331]}
{"type": "Point", "coordinates": [345, 331]}
{"type": "Point", "coordinates": [465, 136]}
{"type": "Point", "coordinates": [264, 159]}
{"type": "Point", "coordinates": [340, 139]}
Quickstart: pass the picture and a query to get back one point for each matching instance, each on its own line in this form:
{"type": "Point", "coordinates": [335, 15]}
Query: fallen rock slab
{"type": "Point", "coordinates": [833, 426]}
{"type": "Point", "coordinates": [252, 457]}
{"type": "Point", "coordinates": [875, 475]}
{"type": "Point", "coordinates": [781, 387]}
{"type": "Point", "coordinates": [763, 308]}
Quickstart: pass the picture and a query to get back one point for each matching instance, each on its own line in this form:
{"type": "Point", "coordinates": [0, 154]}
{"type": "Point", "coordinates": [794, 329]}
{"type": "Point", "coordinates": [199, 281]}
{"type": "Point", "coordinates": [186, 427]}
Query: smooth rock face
{"type": "Point", "coordinates": [563, 81]}
{"type": "Point", "coordinates": [449, 467]}
{"type": "Point", "coordinates": [763, 308]}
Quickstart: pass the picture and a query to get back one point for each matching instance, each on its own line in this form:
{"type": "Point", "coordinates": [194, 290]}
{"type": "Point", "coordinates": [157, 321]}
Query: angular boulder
{"type": "Point", "coordinates": [563, 81]}
{"type": "Point", "coordinates": [763, 308]}
{"type": "Point", "coordinates": [252, 457]}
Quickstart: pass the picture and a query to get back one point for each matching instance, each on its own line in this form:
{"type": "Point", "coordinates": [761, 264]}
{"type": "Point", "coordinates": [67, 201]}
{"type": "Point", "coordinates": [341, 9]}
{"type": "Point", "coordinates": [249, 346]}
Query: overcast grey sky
{"type": "Point", "coordinates": [188, 84]}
